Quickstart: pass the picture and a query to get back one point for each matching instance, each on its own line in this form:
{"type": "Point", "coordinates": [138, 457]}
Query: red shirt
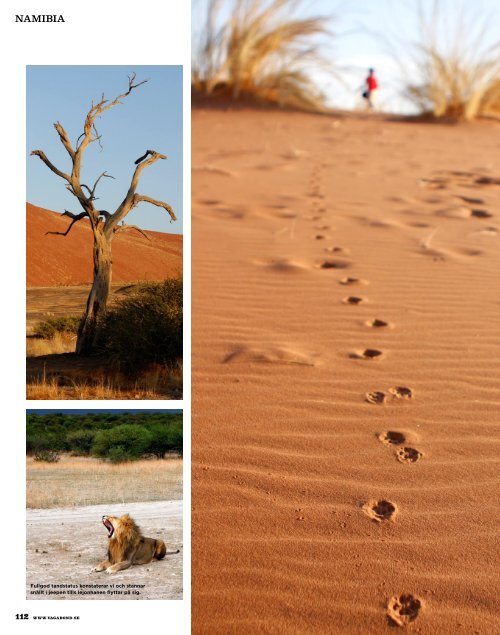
{"type": "Point", "coordinates": [371, 82]}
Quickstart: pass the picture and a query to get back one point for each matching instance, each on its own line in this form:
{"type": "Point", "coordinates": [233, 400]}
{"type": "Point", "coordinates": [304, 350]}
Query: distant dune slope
{"type": "Point", "coordinates": [65, 260]}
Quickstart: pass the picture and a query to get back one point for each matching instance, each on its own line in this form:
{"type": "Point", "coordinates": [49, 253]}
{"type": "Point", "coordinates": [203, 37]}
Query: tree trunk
{"type": "Point", "coordinates": [98, 297]}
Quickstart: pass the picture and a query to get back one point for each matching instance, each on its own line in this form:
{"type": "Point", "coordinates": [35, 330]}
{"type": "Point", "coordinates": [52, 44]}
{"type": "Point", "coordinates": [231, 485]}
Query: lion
{"type": "Point", "coordinates": [127, 546]}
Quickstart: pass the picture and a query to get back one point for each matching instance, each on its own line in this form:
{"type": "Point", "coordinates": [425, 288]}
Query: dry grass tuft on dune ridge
{"type": "Point", "coordinates": [458, 76]}
{"type": "Point", "coordinates": [75, 481]}
{"type": "Point", "coordinates": [260, 52]}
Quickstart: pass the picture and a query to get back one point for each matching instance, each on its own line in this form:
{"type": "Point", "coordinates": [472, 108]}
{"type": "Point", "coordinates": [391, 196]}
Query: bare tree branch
{"type": "Point", "coordinates": [97, 137]}
{"type": "Point", "coordinates": [75, 218]}
{"type": "Point", "coordinates": [154, 156]}
{"type": "Point", "coordinates": [71, 215]}
{"type": "Point", "coordinates": [50, 165]}
{"type": "Point", "coordinates": [96, 110]}
{"type": "Point", "coordinates": [139, 198]}
{"type": "Point", "coordinates": [104, 174]}
{"type": "Point", "coordinates": [65, 139]}
{"type": "Point", "coordinates": [92, 191]}
{"type": "Point", "coordinates": [129, 201]}
{"type": "Point", "coordinates": [145, 155]}
{"type": "Point", "coordinates": [124, 226]}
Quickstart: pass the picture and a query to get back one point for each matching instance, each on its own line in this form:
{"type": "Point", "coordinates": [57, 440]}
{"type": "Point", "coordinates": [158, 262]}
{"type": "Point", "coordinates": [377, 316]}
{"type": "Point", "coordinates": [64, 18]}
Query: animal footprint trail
{"type": "Point", "coordinates": [460, 212]}
{"type": "Point", "coordinates": [445, 178]}
{"type": "Point", "coordinates": [334, 264]}
{"type": "Point", "coordinates": [480, 213]}
{"type": "Point", "coordinates": [380, 397]}
{"type": "Point", "coordinates": [378, 324]}
{"type": "Point", "coordinates": [408, 455]}
{"type": "Point", "coordinates": [376, 397]}
{"type": "Point", "coordinates": [315, 188]}
{"type": "Point", "coordinates": [403, 609]}
{"type": "Point", "coordinates": [401, 392]}
{"type": "Point", "coordinates": [367, 354]}
{"type": "Point", "coordinates": [404, 453]}
{"type": "Point", "coordinates": [353, 300]}
{"type": "Point", "coordinates": [487, 180]}
{"type": "Point", "coordinates": [381, 510]}
{"type": "Point", "coordinates": [352, 281]}
{"type": "Point", "coordinates": [392, 437]}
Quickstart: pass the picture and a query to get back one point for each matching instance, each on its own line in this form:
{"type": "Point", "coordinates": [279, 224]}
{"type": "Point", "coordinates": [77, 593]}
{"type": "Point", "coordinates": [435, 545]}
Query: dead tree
{"type": "Point", "coordinates": [104, 225]}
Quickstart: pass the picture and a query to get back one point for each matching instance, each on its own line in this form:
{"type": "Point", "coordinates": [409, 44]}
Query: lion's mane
{"type": "Point", "coordinates": [125, 540]}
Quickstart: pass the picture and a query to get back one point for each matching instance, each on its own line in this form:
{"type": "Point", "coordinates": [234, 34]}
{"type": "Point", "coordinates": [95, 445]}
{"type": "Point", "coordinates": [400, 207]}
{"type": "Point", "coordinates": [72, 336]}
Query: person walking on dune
{"type": "Point", "coordinates": [371, 89]}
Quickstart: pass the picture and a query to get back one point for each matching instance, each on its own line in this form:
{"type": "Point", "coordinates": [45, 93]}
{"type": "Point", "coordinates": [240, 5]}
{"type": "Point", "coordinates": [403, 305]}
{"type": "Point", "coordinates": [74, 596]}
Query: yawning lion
{"type": "Point", "coordinates": [127, 546]}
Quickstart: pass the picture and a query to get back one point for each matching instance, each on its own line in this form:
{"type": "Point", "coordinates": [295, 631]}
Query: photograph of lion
{"type": "Point", "coordinates": [104, 492]}
{"type": "Point", "coordinates": [127, 546]}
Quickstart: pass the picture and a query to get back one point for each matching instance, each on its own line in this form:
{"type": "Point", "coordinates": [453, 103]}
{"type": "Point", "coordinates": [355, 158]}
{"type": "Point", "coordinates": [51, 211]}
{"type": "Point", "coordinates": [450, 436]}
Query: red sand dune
{"type": "Point", "coordinates": [67, 260]}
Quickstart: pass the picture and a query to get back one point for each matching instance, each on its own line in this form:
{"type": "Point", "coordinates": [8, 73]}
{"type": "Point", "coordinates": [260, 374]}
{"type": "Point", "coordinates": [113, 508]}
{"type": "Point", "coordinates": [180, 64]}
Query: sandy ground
{"type": "Point", "coordinates": [65, 544]}
{"type": "Point", "coordinates": [43, 303]}
{"type": "Point", "coordinates": [338, 263]}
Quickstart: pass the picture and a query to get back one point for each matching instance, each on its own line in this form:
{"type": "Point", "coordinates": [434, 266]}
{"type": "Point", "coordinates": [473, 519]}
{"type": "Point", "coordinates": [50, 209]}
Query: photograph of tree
{"type": "Point", "coordinates": [104, 311]}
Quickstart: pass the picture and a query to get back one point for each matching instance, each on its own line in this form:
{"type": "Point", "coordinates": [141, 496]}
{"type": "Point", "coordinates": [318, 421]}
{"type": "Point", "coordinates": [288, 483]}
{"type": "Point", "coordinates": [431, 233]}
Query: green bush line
{"type": "Point", "coordinates": [117, 437]}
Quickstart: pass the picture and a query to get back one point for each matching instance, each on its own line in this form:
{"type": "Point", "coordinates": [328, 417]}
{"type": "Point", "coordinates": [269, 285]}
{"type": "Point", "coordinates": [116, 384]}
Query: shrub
{"type": "Point", "coordinates": [118, 454]}
{"type": "Point", "coordinates": [48, 329]}
{"type": "Point", "coordinates": [260, 51]}
{"type": "Point", "coordinates": [145, 328]}
{"type": "Point", "coordinates": [122, 443]}
{"type": "Point", "coordinates": [42, 440]}
{"type": "Point", "coordinates": [47, 456]}
{"type": "Point", "coordinates": [80, 441]}
{"type": "Point", "coordinates": [165, 438]}
{"type": "Point", "coordinates": [34, 443]}
{"type": "Point", "coordinates": [456, 73]}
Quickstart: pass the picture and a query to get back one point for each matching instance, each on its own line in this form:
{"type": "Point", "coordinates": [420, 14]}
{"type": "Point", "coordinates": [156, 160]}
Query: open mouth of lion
{"type": "Point", "coordinates": [109, 527]}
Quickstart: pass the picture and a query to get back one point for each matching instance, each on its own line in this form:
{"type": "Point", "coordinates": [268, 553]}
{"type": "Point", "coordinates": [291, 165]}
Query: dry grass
{"type": "Point", "coordinates": [60, 343]}
{"type": "Point", "coordinates": [459, 77]}
{"type": "Point", "coordinates": [156, 383]}
{"type": "Point", "coordinates": [260, 52]}
{"type": "Point", "coordinates": [77, 481]}
{"type": "Point", "coordinates": [43, 303]}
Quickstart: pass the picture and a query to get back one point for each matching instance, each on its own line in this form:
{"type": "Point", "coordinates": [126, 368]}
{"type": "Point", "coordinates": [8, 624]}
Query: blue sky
{"type": "Point", "coordinates": [360, 28]}
{"type": "Point", "coordinates": [150, 118]}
